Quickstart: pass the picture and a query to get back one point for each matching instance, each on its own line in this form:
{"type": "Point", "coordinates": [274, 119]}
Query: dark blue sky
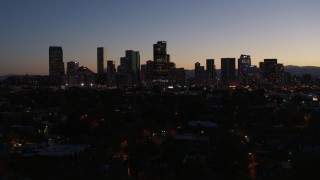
{"type": "Point", "coordinates": [194, 30]}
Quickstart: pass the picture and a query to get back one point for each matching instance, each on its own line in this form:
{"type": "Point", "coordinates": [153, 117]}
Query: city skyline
{"type": "Point", "coordinates": [194, 31]}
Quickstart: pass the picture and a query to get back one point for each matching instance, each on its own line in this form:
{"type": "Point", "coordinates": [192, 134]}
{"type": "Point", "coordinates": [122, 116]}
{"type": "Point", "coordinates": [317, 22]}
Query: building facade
{"type": "Point", "coordinates": [56, 64]}
{"type": "Point", "coordinates": [147, 72]}
{"type": "Point", "coordinates": [252, 75]}
{"type": "Point", "coordinates": [72, 67]}
{"type": "Point", "coordinates": [199, 74]}
{"type": "Point", "coordinates": [177, 76]}
{"type": "Point", "coordinates": [228, 69]}
{"type": "Point", "coordinates": [210, 72]}
{"type": "Point", "coordinates": [101, 60]}
{"type": "Point", "coordinates": [270, 70]}
{"type": "Point", "coordinates": [129, 69]}
{"type": "Point", "coordinates": [111, 73]}
{"type": "Point", "coordinates": [83, 77]}
{"type": "Point", "coordinates": [243, 63]}
{"type": "Point", "coordinates": [161, 60]}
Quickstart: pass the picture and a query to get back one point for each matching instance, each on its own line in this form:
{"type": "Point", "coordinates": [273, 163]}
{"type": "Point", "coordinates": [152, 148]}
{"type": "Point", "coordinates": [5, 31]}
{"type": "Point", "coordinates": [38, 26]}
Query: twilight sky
{"type": "Point", "coordinates": [195, 30]}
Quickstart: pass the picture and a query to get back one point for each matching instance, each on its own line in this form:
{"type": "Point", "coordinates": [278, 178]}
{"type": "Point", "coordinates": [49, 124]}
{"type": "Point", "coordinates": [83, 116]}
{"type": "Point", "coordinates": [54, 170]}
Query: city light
{"type": "Point", "coordinates": [315, 98]}
{"type": "Point", "coordinates": [88, 91]}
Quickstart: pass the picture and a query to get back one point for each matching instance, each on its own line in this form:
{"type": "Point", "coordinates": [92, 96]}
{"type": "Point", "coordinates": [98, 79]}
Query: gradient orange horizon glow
{"type": "Point", "coordinates": [194, 30]}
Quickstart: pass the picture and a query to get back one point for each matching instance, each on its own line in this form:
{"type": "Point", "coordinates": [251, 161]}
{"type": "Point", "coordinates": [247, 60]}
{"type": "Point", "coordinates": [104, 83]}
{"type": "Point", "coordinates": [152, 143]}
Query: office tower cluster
{"type": "Point", "coordinates": [271, 71]}
{"type": "Point", "coordinates": [79, 76]}
{"type": "Point", "coordinates": [204, 76]}
{"type": "Point", "coordinates": [161, 71]}
{"type": "Point", "coordinates": [129, 69]}
{"type": "Point", "coordinates": [245, 74]}
{"type": "Point", "coordinates": [75, 75]}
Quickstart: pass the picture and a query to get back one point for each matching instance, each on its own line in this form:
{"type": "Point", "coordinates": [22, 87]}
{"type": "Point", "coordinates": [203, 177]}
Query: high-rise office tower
{"type": "Point", "coordinates": [243, 63]}
{"type": "Point", "coordinates": [149, 71]}
{"type": "Point", "coordinates": [252, 75]}
{"type": "Point", "coordinates": [83, 77]}
{"type": "Point", "coordinates": [129, 70]}
{"type": "Point", "coordinates": [72, 67]}
{"type": "Point", "coordinates": [270, 69]}
{"type": "Point", "coordinates": [56, 65]}
{"type": "Point", "coordinates": [111, 73]}
{"type": "Point", "coordinates": [101, 60]}
{"type": "Point", "coordinates": [228, 70]}
{"type": "Point", "coordinates": [143, 72]}
{"type": "Point", "coordinates": [177, 76]}
{"type": "Point", "coordinates": [199, 73]}
{"type": "Point", "coordinates": [280, 73]}
{"type": "Point", "coordinates": [211, 71]}
{"type": "Point", "coordinates": [134, 57]}
{"type": "Point", "coordinates": [161, 60]}
{"type": "Point", "coordinates": [270, 65]}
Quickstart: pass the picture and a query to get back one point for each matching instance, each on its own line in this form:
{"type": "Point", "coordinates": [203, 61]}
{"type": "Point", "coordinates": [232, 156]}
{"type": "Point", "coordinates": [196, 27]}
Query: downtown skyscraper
{"type": "Point", "coordinates": [161, 60]}
{"type": "Point", "coordinates": [228, 70]}
{"type": "Point", "coordinates": [243, 63]}
{"type": "Point", "coordinates": [211, 71]}
{"type": "Point", "coordinates": [101, 60]}
{"type": "Point", "coordinates": [271, 71]}
{"type": "Point", "coordinates": [129, 69]}
{"type": "Point", "coordinates": [72, 67]}
{"type": "Point", "coordinates": [199, 74]}
{"type": "Point", "coordinates": [56, 65]}
{"type": "Point", "coordinates": [111, 73]}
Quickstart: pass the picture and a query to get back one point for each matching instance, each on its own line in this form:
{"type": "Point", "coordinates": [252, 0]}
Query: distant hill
{"type": "Point", "coordinates": [299, 70]}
